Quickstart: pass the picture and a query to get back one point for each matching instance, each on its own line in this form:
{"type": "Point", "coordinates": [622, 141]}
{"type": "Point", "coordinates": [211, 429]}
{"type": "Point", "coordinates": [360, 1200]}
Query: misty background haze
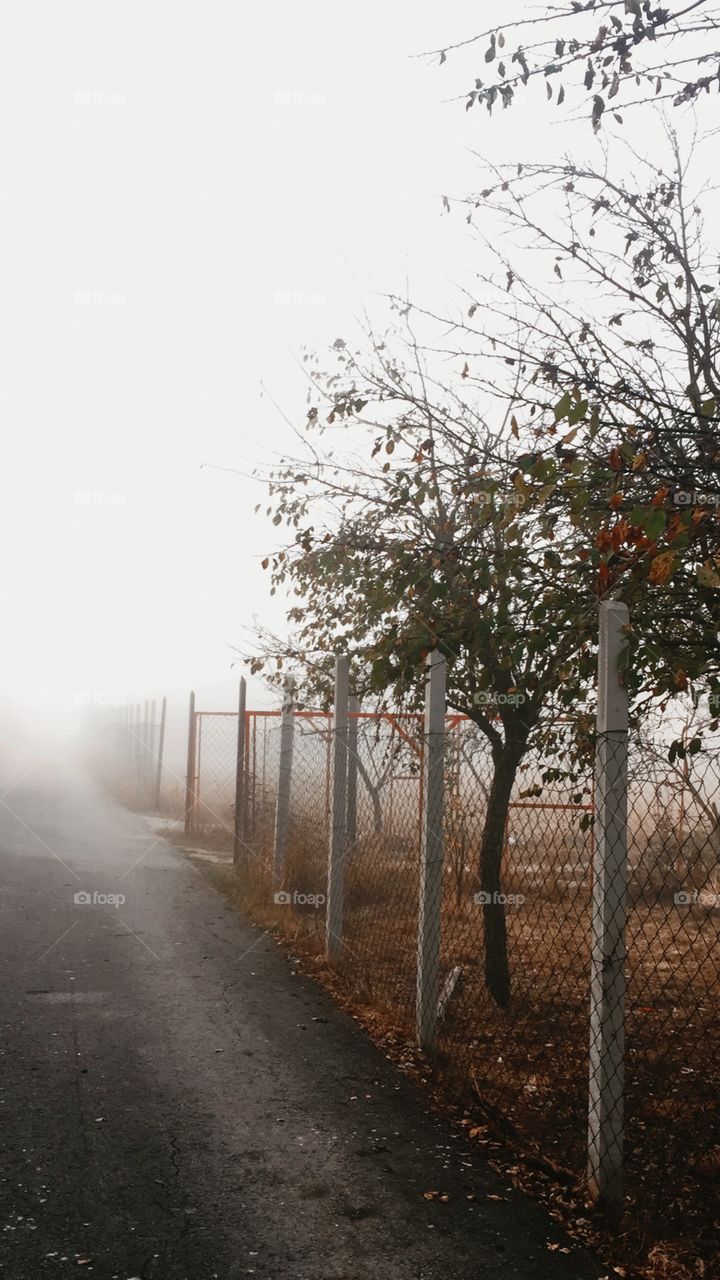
{"type": "Point", "coordinates": [184, 208]}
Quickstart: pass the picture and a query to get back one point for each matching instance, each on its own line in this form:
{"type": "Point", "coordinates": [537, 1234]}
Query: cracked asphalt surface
{"type": "Point", "coordinates": [177, 1102]}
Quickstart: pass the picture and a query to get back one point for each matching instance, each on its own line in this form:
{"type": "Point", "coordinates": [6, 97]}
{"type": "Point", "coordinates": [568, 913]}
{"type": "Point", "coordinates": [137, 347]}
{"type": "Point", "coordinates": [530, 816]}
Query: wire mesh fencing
{"type": "Point", "coordinates": [574, 988]}
{"type": "Point", "coordinates": [550, 939]}
{"type": "Point", "coordinates": [127, 750]}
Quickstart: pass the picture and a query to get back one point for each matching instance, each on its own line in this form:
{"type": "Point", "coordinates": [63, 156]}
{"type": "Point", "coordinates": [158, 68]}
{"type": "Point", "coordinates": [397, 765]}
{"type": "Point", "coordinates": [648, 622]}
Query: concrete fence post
{"type": "Point", "coordinates": [352, 772]}
{"type": "Point", "coordinates": [138, 752]}
{"type": "Point", "coordinates": [337, 848]}
{"type": "Point", "coordinates": [282, 809]}
{"type": "Point", "coordinates": [144, 749]}
{"type": "Point", "coordinates": [431, 856]}
{"type": "Point", "coordinates": [135, 724]}
{"type": "Point", "coordinates": [151, 749]}
{"type": "Point", "coordinates": [190, 774]}
{"type": "Point", "coordinates": [125, 760]}
{"type": "Point", "coordinates": [609, 912]}
{"type": "Point", "coordinates": [160, 752]}
{"type": "Point", "coordinates": [239, 816]}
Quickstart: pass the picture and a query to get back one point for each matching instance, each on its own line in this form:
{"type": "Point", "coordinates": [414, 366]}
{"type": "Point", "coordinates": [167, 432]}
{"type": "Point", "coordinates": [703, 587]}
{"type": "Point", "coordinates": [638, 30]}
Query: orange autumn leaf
{"type": "Point", "coordinates": [617, 500]}
{"type": "Point", "coordinates": [660, 497]}
{"type": "Point", "coordinates": [661, 568]}
{"type": "Point", "coordinates": [616, 460]}
{"type": "Point", "coordinates": [619, 534]}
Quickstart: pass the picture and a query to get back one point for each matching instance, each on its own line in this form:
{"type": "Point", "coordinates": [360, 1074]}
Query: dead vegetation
{"type": "Point", "coordinates": [516, 1080]}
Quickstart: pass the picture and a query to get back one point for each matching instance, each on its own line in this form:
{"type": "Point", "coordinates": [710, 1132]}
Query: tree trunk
{"type": "Point", "coordinates": [374, 793]}
{"type": "Point", "coordinates": [497, 968]}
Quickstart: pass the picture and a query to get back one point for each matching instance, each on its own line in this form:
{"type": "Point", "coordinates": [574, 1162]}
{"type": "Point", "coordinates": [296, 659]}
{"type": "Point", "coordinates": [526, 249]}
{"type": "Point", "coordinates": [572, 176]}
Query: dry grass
{"type": "Point", "coordinates": [519, 1077]}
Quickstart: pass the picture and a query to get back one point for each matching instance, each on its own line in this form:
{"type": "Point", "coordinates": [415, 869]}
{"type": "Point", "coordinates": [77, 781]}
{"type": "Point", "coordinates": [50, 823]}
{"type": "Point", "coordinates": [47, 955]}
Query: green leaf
{"type": "Point", "coordinates": [654, 523]}
{"type": "Point", "coordinates": [577, 412]}
{"type": "Point", "coordinates": [563, 407]}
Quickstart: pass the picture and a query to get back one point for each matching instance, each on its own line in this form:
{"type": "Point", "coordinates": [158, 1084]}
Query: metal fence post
{"type": "Point", "coordinates": [239, 815]}
{"type": "Point", "coordinates": [125, 762]}
{"type": "Point", "coordinates": [609, 911]}
{"type": "Point", "coordinates": [190, 774]}
{"type": "Point", "coordinates": [247, 831]}
{"type": "Point", "coordinates": [151, 746]}
{"type": "Point", "coordinates": [352, 771]}
{"type": "Point", "coordinates": [337, 847]}
{"type": "Point", "coordinates": [160, 750]}
{"type": "Point", "coordinates": [133, 746]}
{"type": "Point", "coordinates": [282, 809]}
{"type": "Point", "coordinates": [431, 860]}
{"type": "Point", "coordinates": [144, 748]}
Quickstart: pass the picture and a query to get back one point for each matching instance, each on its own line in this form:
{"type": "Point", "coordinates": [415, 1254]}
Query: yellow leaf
{"type": "Point", "coordinates": [661, 568]}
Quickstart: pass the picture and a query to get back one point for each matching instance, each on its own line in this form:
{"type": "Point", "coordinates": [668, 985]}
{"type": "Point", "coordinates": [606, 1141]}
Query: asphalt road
{"type": "Point", "coordinates": [177, 1102]}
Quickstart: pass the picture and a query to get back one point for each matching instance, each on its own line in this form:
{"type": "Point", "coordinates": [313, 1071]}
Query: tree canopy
{"type": "Point", "coordinates": [613, 54]}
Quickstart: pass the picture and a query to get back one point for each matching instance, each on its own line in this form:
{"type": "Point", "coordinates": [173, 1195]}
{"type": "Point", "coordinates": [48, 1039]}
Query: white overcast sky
{"type": "Point", "coordinates": [188, 193]}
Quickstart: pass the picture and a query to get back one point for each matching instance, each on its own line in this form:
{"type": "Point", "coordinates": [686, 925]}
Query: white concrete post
{"type": "Point", "coordinates": [282, 809]}
{"type": "Point", "coordinates": [239, 816]}
{"type": "Point", "coordinates": [338, 826]}
{"type": "Point", "coordinates": [431, 856]}
{"type": "Point", "coordinates": [352, 773]}
{"type": "Point", "coordinates": [160, 751]}
{"type": "Point", "coordinates": [145, 747]}
{"type": "Point", "coordinates": [609, 909]}
{"type": "Point", "coordinates": [151, 739]}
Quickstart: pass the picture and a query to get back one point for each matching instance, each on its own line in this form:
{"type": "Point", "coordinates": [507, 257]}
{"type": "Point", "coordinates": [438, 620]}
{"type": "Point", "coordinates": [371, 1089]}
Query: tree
{"type": "Point", "coordinates": [617, 53]}
{"type": "Point", "coordinates": [490, 487]}
{"type": "Point", "coordinates": [430, 542]}
{"type": "Point", "coordinates": [618, 349]}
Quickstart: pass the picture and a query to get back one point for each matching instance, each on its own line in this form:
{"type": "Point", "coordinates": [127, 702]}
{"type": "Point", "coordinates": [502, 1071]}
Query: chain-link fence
{"type": "Point", "coordinates": [549, 934]}
{"type": "Point", "coordinates": [139, 752]}
{"type": "Point", "coordinates": [574, 992]}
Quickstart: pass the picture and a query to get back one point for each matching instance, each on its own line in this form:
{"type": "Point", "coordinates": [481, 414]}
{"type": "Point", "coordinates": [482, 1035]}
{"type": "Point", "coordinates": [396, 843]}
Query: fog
{"type": "Point", "coordinates": [189, 195]}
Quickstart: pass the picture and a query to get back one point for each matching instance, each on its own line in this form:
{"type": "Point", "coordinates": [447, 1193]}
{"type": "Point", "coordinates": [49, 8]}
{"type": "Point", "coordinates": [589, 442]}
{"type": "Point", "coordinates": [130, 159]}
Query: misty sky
{"type": "Point", "coordinates": [188, 193]}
